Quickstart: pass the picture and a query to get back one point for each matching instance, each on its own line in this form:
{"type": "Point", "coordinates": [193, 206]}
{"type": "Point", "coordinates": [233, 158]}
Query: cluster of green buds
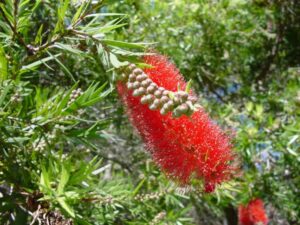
{"type": "Point", "coordinates": [158, 218]}
{"type": "Point", "coordinates": [16, 98]}
{"type": "Point", "coordinates": [74, 95]}
{"type": "Point", "coordinates": [39, 145]}
{"type": "Point", "coordinates": [42, 216]}
{"type": "Point", "coordinates": [150, 196]}
{"type": "Point", "coordinates": [158, 98]}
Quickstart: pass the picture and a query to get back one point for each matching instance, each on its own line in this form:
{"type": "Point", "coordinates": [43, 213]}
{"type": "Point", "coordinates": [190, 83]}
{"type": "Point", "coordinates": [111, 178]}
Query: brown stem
{"type": "Point", "coordinates": [13, 27]}
{"type": "Point", "coordinates": [71, 28]}
{"type": "Point", "coordinates": [280, 29]}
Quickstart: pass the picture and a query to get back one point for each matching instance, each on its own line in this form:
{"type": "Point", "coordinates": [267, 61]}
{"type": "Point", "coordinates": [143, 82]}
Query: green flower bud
{"type": "Point", "coordinates": [176, 113]}
{"type": "Point", "coordinates": [183, 95]}
{"type": "Point", "coordinates": [169, 104]}
{"type": "Point", "coordinates": [153, 106]}
{"type": "Point", "coordinates": [132, 77]}
{"type": "Point", "coordinates": [146, 83]}
{"type": "Point", "coordinates": [151, 89]}
{"type": "Point", "coordinates": [158, 93]}
{"type": "Point", "coordinates": [136, 84]}
{"type": "Point", "coordinates": [132, 67]}
{"type": "Point", "coordinates": [144, 100]}
{"type": "Point", "coordinates": [137, 92]}
{"type": "Point", "coordinates": [164, 111]}
{"type": "Point", "coordinates": [137, 71]}
{"type": "Point", "coordinates": [176, 100]}
{"type": "Point", "coordinates": [193, 99]}
{"type": "Point", "coordinates": [142, 90]}
{"type": "Point", "coordinates": [130, 85]}
{"type": "Point", "coordinates": [150, 98]}
{"type": "Point", "coordinates": [161, 89]}
{"type": "Point", "coordinates": [123, 76]}
{"type": "Point", "coordinates": [183, 108]}
{"type": "Point", "coordinates": [166, 92]}
{"type": "Point", "coordinates": [164, 99]}
{"type": "Point", "coordinates": [141, 77]}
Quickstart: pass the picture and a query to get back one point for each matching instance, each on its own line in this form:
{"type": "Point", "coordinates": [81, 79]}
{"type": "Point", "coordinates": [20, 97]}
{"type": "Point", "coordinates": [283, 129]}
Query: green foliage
{"type": "Point", "coordinates": [67, 151]}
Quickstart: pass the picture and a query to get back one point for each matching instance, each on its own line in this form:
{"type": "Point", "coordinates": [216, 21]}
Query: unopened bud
{"type": "Point", "coordinates": [137, 71]}
{"type": "Point", "coordinates": [151, 89]}
{"type": "Point", "coordinates": [136, 84]}
{"type": "Point", "coordinates": [141, 77]}
{"type": "Point", "coordinates": [132, 67]}
{"type": "Point", "coordinates": [155, 105]}
{"type": "Point", "coordinates": [144, 100]}
{"type": "Point", "coordinates": [164, 111]}
{"type": "Point", "coordinates": [169, 104]}
{"type": "Point", "coordinates": [164, 99]}
{"type": "Point", "coordinates": [161, 89]}
{"type": "Point", "coordinates": [146, 83]}
{"type": "Point", "coordinates": [166, 92]}
{"type": "Point", "coordinates": [193, 99]}
{"type": "Point", "coordinates": [130, 86]}
{"type": "Point", "coordinates": [176, 100]}
{"type": "Point", "coordinates": [123, 76]}
{"type": "Point", "coordinates": [150, 98]}
{"type": "Point", "coordinates": [158, 93]}
{"type": "Point", "coordinates": [182, 109]}
{"type": "Point", "coordinates": [183, 95]}
{"type": "Point", "coordinates": [142, 90]}
{"type": "Point", "coordinates": [132, 77]}
{"type": "Point", "coordinates": [136, 92]}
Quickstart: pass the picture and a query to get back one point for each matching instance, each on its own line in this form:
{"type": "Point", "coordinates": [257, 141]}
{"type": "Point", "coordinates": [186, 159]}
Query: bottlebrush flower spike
{"type": "Point", "coordinates": [188, 147]}
{"type": "Point", "coordinates": [253, 214]}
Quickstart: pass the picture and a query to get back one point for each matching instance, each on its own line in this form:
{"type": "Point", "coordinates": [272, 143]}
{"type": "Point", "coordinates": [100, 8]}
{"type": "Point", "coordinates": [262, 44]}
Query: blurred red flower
{"type": "Point", "coordinates": [185, 147]}
{"type": "Point", "coordinates": [253, 213]}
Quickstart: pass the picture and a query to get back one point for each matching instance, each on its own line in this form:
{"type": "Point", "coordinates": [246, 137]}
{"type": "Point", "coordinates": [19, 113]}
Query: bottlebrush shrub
{"type": "Point", "coordinates": [253, 213]}
{"type": "Point", "coordinates": [186, 148]}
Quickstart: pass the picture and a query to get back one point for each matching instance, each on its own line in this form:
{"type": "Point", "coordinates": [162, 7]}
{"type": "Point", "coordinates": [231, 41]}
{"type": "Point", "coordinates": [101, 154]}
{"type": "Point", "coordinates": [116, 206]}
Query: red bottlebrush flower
{"type": "Point", "coordinates": [184, 147]}
{"type": "Point", "coordinates": [253, 214]}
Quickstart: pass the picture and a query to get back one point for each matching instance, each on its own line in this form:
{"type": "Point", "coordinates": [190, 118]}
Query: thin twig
{"type": "Point", "coordinates": [70, 28]}
{"type": "Point", "coordinates": [28, 48]}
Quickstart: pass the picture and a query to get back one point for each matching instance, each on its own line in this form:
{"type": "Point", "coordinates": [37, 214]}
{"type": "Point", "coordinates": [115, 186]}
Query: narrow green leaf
{"type": "Point", "coordinates": [122, 44]}
{"type": "Point", "coordinates": [188, 86]}
{"type": "Point", "coordinates": [38, 38]}
{"type": "Point", "coordinates": [115, 61]}
{"type": "Point", "coordinates": [105, 14]}
{"type": "Point", "coordinates": [137, 189]}
{"type": "Point", "coordinates": [63, 67]}
{"type": "Point", "coordinates": [4, 93]}
{"type": "Point", "coordinates": [68, 48]}
{"type": "Point", "coordinates": [98, 32]}
{"type": "Point", "coordinates": [64, 177]}
{"type": "Point", "coordinates": [3, 65]}
{"type": "Point", "coordinates": [66, 207]}
{"type": "Point", "coordinates": [6, 13]}
{"type": "Point", "coordinates": [34, 65]}
{"type": "Point", "coordinates": [78, 12]}
{"type": "Point", "coordinates": [65, 99]}
{"type": "Point", "coordinates": [45, 179]}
